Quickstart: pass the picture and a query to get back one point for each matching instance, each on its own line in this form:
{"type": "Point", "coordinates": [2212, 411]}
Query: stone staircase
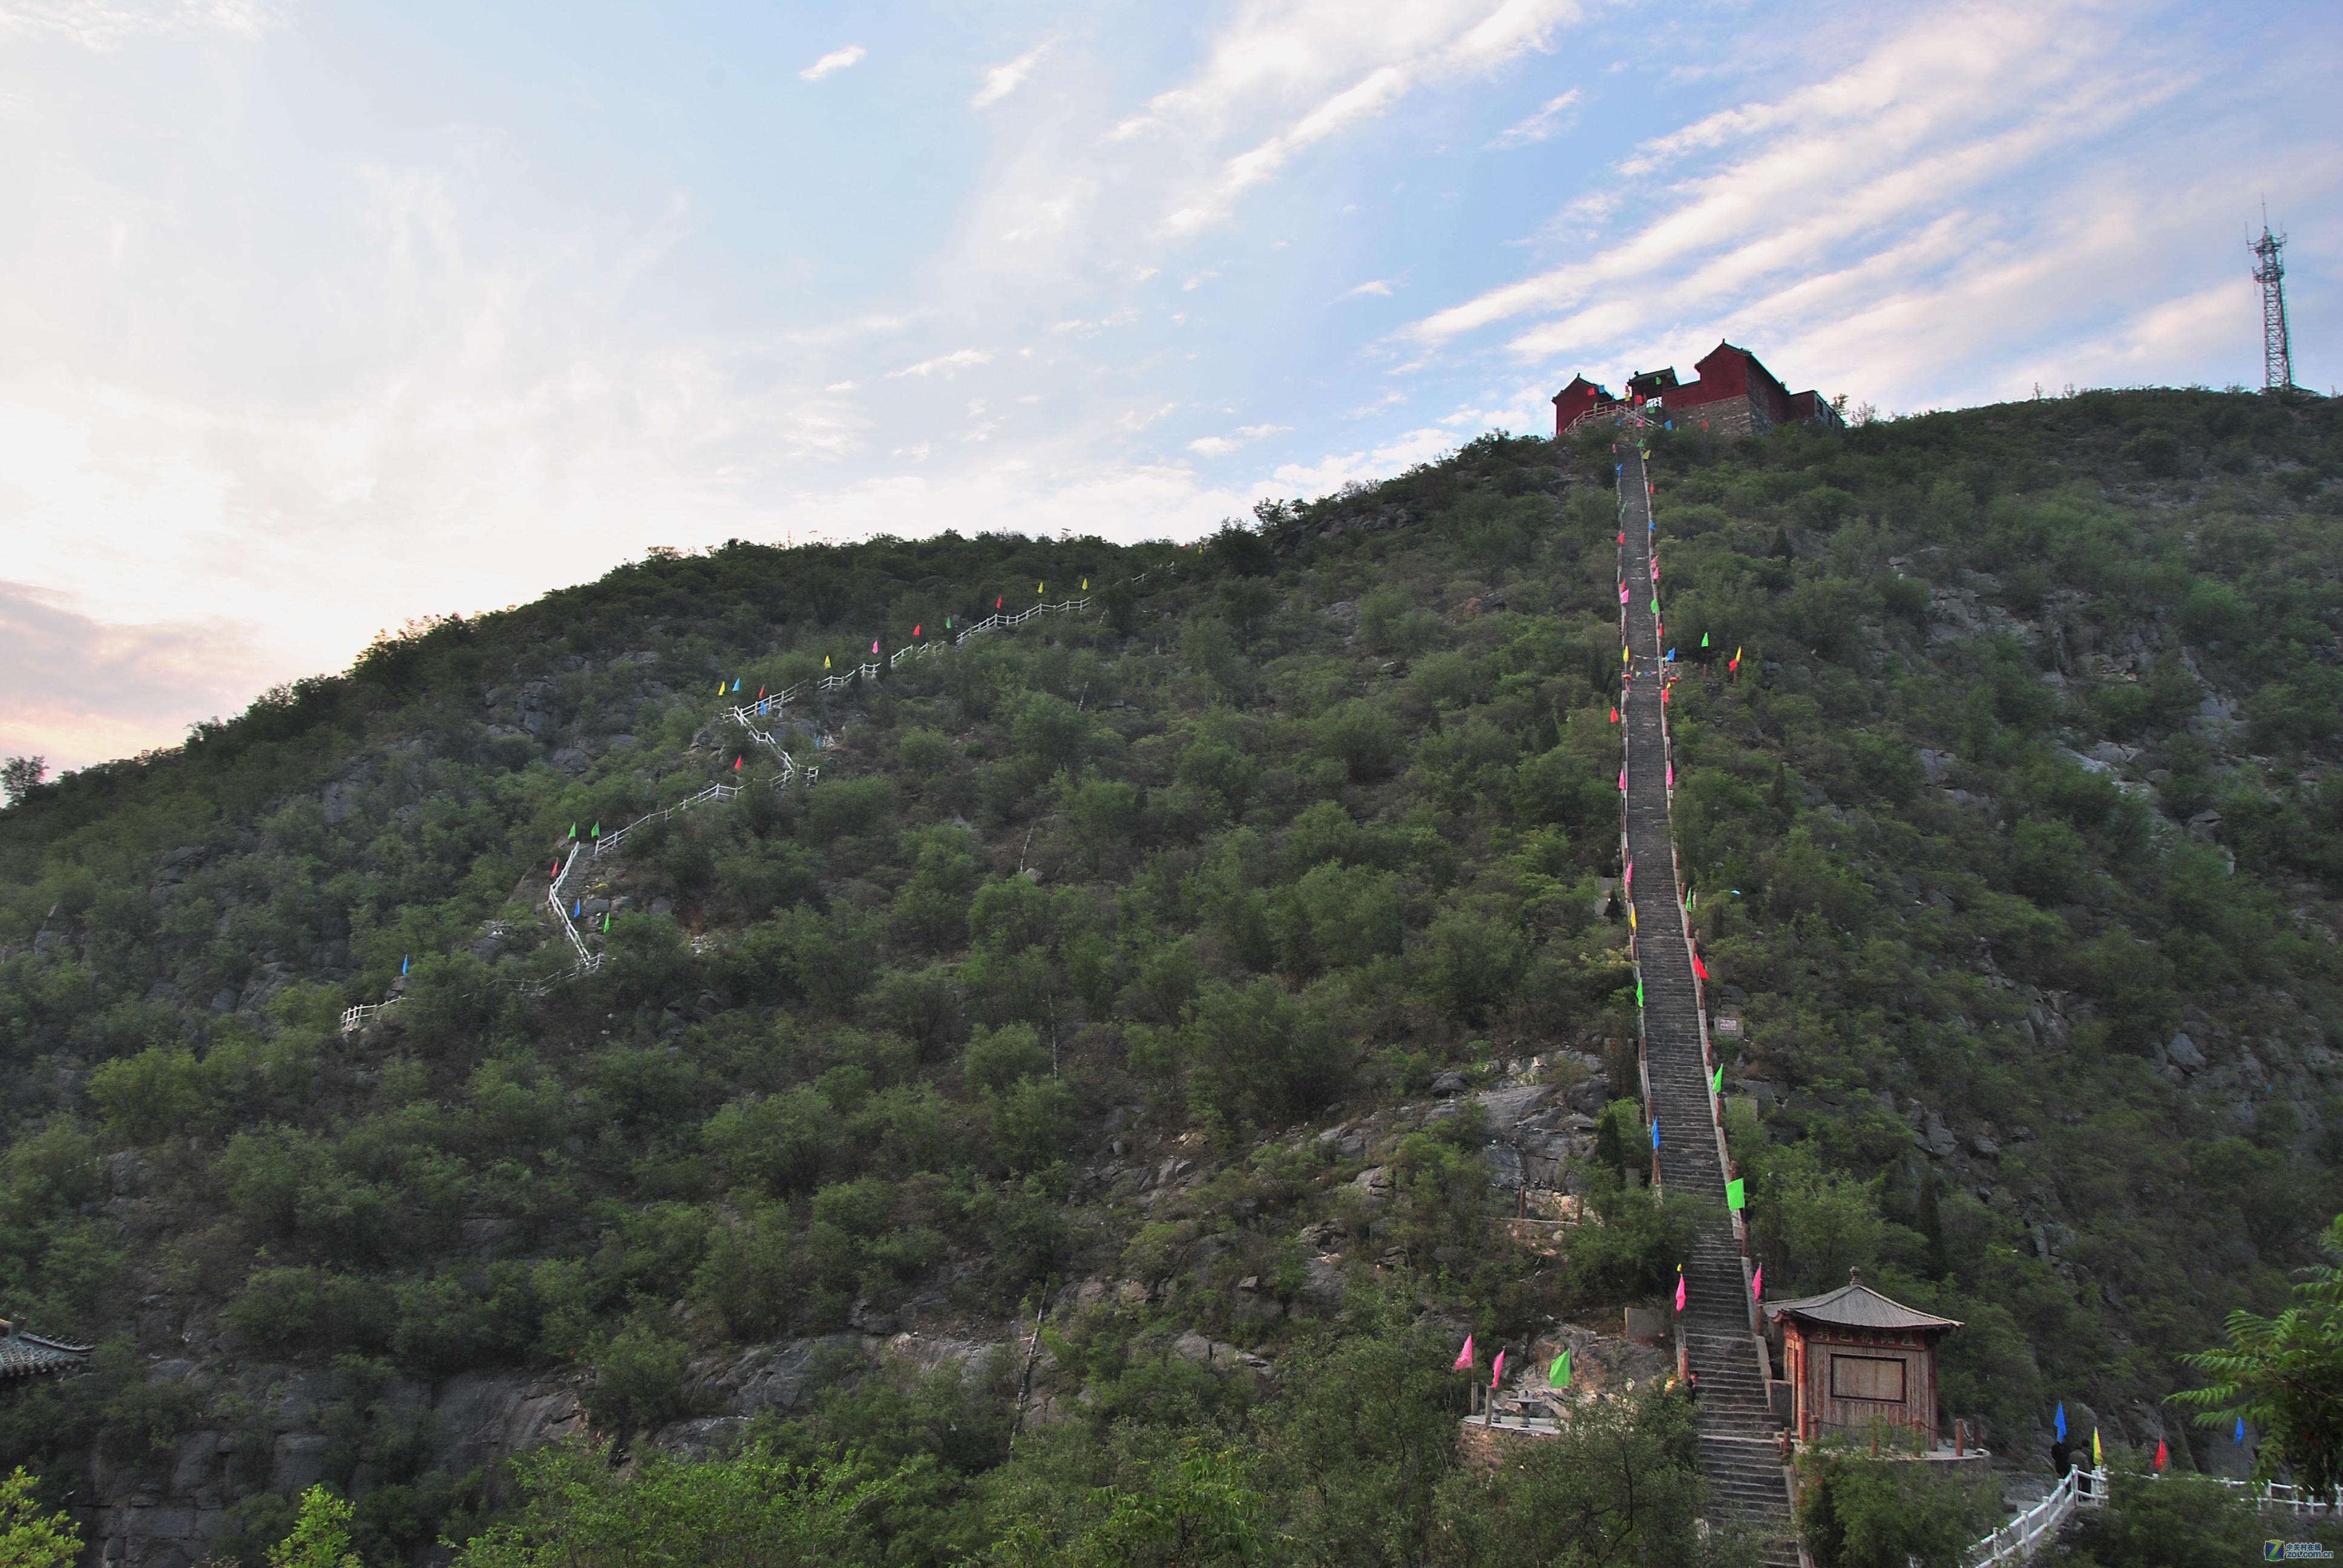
{"type": "Point", "coordinates": [1739, 1440]}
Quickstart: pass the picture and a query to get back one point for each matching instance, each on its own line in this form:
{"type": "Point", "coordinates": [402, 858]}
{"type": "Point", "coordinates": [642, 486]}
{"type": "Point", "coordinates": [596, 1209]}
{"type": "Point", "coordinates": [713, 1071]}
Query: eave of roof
{"type": "Point", "coordinates": [1857, 1306]}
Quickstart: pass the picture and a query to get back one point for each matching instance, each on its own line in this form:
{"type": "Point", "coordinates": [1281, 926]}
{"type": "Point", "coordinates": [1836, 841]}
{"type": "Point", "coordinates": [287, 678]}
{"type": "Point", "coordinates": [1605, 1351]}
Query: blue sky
{"type": "Point", "coordinates": [315, 318]}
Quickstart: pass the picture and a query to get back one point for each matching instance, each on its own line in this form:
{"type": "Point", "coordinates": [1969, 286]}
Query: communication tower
{"type": "Point", "coordinates": [2269, 271]}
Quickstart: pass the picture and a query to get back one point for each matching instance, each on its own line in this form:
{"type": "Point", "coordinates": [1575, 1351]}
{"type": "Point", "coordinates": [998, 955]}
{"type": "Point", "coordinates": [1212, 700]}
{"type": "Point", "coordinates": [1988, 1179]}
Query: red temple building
{"type": "Point", "coordinates": [1735, 395]}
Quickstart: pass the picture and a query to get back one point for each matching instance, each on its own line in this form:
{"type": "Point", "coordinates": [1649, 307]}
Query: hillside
{"type": "Point", "coordinates": [1206, 968]}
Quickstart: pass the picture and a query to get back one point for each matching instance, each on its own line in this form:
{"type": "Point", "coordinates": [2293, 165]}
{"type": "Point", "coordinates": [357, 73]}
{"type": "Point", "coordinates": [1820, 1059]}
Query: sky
{"type": "Point", "coordinates": [314, 319]}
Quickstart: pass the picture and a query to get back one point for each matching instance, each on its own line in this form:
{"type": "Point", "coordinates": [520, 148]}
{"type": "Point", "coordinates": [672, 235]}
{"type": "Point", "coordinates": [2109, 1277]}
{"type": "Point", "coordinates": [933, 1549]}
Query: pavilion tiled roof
{"type": "Point", "coordinates": [23, 1354]}
{"type": "Point", "coordinates": [1855, 1305]}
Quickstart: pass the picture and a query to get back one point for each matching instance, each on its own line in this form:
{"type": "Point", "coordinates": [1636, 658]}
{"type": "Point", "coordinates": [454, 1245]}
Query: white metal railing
{"type": "Point", "coordinates": [606, 842]}
{"type": "Point", "coordinates": [741, 714]}
{"type": "Point", "coordinates": [587, 959]}
{"type": "Point", "coordinates": [2017, 1541]}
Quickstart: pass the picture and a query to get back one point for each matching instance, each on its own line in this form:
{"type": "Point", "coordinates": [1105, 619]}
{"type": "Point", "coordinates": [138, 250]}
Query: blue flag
{"type": "Point", "coordinates": [736, 683]}
{"type": "Point", "coordinates": [403, 960]}
{"type": "Point", "coordinates": [578, 910]}
{"type": "Point", "coordinates": [2058, 1422]}
{"type": "Point", "coordinates": [1655, 1132]}
{"type": "Point", "coordinates": [2241, 1432]}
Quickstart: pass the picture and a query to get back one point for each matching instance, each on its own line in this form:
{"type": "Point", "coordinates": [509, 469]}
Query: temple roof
{"type": "Point", "coordinates": [1855, 1305]}
{"type": "Point", "coordinates": [26, 1354]}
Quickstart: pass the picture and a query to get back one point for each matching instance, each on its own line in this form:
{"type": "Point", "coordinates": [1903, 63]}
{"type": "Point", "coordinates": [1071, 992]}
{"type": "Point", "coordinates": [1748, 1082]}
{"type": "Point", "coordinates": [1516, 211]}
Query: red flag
{"type": "Point", "coordinates": [2162, 1454]}
{"type": "Point", "coordinates": [1698, 968]}
{"type": "Point", "coordinates": [915, 630]}
{"type": "Point", "coordinates": [1497, 1373]}
{"type": "Point", "coordinates": [1615, 716]}
{"type": "Point", "coordinates": [736, 765]}
{"type": "Point", "coordinates": [1680, 1288]}
{"type": "Point", "coordinates": [1464, 1356]}
{"type": "Point", "coordinates": [1664, 697]}
{"type": "Point", "coordinates": [996, 601]}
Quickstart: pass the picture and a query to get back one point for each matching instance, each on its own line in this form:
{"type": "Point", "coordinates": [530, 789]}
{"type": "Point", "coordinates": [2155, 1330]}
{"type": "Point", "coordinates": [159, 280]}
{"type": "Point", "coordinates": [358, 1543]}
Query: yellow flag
{"type": "Point", "coordinates": [719, 689]}
{"type": "Point", "coordinates": [1036, 588]}
{"type": "Point", "coordinates": [825, 661]}
{"type": "Point", "coordinates": [1623, 656]}
{"type": "Point", "coordinates": [1086, 585]}
{"type": "Point", "coordinates": [2098, 1461]}
{"type": "Point", "coordinates": [1736, 653]}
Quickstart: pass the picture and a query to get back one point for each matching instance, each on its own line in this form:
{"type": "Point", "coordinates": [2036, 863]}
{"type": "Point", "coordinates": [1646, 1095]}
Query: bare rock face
{"type": "Point", "coordinates": [172, 1512]}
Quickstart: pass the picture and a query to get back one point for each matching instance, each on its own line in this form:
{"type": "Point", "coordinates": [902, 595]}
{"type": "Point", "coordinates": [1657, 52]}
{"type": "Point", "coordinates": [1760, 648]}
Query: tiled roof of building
{"type": "Point", "coordinates": [26, 1354]}
{"type": "Point", "coordinates": [1855, 1305]}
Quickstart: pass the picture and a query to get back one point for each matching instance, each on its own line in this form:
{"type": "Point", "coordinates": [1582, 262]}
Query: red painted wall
{"type": "Point", "coordinates": [1574, 400]}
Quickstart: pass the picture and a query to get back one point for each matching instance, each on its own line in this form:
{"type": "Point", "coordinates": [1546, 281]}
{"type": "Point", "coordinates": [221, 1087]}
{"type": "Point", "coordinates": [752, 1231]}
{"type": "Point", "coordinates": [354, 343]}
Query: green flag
{"type": "Point", "coordinates": [573, 833]}
{"type": "Point", "coordinates": [1655, 604]}
{"type": "Point", "coordinates": [1558, 1375]}
{"type": "Point", "coordinates": [1736, 1194]}
{"type": "Point", "coordinates": [1703, 640]}
{"type": "Point", "coordinates": [1716, 1084]}
{"type": "Point", "coordinates": [1639, 990]}
{"type": "Point", "coordinates": [605, 926]}
{"type": "Point", "coordinates": [597, 829]}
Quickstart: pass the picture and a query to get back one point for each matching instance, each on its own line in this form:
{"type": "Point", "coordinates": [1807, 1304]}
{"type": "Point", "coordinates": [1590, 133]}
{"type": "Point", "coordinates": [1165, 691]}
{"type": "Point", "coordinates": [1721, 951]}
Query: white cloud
{"type": "Point", "coordinates": [1557, 115]}
{"type": "Point", "coordinates": [1380, 285]}
{"type": "Point", "coordinates": [1002, 80]}
{"type": "Point", "coordinates": [1955, 100]}
{"type": "Point", "coordinates": [946, 365]}
{"type": "Point", "coordinates": [837, 60]}
{"type": "Point", "coordinates": [105, 23]}
{"type": "Point", "coordinates": [1245, 435]}
{"type": "Point", "coordinates": [1331, 473]}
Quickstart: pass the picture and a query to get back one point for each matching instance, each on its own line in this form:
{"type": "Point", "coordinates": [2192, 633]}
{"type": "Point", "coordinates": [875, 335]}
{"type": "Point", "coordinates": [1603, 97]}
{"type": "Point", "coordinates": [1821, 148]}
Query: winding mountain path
{"type": "Point", "coordinates": [1738, 1435]}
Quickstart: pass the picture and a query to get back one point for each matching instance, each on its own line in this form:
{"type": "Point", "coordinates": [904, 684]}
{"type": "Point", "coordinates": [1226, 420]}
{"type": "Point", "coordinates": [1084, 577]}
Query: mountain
{"type": "Point", "coordinates": [1202, 967]}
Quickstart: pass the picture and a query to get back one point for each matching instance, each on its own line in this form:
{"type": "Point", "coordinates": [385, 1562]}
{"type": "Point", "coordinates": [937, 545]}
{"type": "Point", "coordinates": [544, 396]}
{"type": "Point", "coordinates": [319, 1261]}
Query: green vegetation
{"type": "Point", "coordinates": [2284, 1375]}
{"type": "Point", "coordinates": [29, 1537]}
{"type": "Point", "coordinates": [2017, 846]}
{"type": "Point", "coordinates": [1859, 1511]}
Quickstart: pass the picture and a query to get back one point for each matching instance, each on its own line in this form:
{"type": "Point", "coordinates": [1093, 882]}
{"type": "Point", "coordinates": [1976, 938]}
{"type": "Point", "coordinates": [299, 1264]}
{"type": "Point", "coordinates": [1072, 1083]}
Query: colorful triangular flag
{"type": "Point", "coordinates": [1680, 1288]}
{"type": "Point", "coordinates": [1464, 1357]}
{"type": "Point", "coordinates": [2163, 1454]}
{"type": "Point", "coordinates": [1558, 1375]}
{"type": "Point", "coordinates": [2098, 1460]}
{"type": "Point", "coordinates": [1757, 1284]}
{"type": "Point", "coordinates": [1736, 1194]}
{"type": "Point", "coordinates": [2058, 1422]}
{"type": "Point", "coordinates": [1716, 1081]}
{"type": "Point", "coordinates": [1497, 1371]}
{"type": "Point", "coordinates": [403, 960]}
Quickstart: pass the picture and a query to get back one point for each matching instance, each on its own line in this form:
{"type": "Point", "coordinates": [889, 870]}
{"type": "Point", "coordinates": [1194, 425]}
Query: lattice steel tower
{"type": "Point", "coordinates": [2269, 271]}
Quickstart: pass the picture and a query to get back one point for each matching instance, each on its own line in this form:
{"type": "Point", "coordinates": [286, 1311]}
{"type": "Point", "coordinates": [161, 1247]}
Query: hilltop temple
{"type": "Point", "coordinates": [1733, 394]}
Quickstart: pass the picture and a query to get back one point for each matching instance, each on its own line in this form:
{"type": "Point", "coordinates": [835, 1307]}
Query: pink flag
{"type": "Point", "coordinates": [1680, 1288]}
{"type": "Point", "coordinates": [874, 645]}
{"type": "Point", "coordinates": [1630, 878]}
{"type": "Point", "coordinates": [1464, 1356]}
{"type": "Point", "coordinates": [1623, 780]}
{"type": "Point", "coordinates": [1623, 593]}
{"type": "Point", "coordinates": [1497, 1373]}
{"type": "Point", "coordinates": [1672, 776]}
{"type": "Point", "coordinates": [1757, 1284]}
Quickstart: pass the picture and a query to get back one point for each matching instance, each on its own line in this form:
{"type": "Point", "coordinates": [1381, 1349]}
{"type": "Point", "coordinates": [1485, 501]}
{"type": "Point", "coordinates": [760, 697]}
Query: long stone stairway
{"type": "Point", "coordinates": [1739, 1449]}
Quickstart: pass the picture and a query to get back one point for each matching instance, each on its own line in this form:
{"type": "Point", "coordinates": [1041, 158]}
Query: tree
{"type": "Point", "coordinates": [20, 776]}
{"type": "Point", "coordinates": [321, 1534]}
{"type": "Point", "coordinates": [28, 1538]}
{"type": "Point", "coordinates": [2284, 1375]}
{"type": "Point", "coordinates": [1855, 1512]}
{"type": "Point", "coordinates": [753, 1510]}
